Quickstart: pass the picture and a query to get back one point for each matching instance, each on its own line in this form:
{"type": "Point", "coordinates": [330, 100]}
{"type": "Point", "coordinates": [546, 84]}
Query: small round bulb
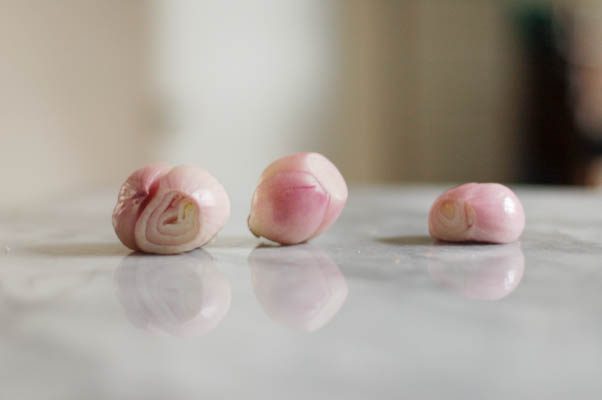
{"type": "Point", "coordinates": [473, 212]}
{"type": "Point", "coordinates": [298, 197]}
{"type": "Point", "coordinates": [168, 210]}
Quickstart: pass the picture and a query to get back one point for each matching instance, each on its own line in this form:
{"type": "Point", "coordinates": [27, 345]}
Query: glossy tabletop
{"type": "Point", "coordinates": [373, 309]}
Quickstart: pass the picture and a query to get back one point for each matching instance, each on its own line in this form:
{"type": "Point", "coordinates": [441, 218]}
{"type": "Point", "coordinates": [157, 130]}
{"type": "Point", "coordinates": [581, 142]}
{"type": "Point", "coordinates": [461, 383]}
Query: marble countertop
{"type": "Point", "coordinates": [373, 309]}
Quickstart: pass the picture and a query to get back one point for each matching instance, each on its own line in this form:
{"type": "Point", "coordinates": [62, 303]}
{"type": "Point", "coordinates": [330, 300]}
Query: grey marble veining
{"type": "Point", "coordinates": [372, 309]}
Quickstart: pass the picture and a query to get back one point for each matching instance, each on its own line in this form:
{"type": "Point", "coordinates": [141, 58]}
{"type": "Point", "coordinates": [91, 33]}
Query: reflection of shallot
{"type": "Point", "coordinates": [170, 210]}
{"type": "Point", "coordinates": [473, 212]}
{"type": "Point", "coordinates": [478, 272]}
{"type": "Point", "coordinates": [183, 295]}
{"type": "Point", "coordinates": [298, 286]}
{"type": "Point", "coordinates": [298, 197]}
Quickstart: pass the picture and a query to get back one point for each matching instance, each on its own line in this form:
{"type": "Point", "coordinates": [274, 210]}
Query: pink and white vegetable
{"type": "Point", "coordinates": [298, 197]}
{"type": "Point", "coordinates": [168, 210]}
{"type": "Point", "coordinates": [473, 212]}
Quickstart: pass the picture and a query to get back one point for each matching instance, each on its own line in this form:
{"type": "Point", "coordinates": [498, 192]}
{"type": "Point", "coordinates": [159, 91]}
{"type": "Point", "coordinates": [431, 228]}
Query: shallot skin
{"type": "Point", "coordinates": [477, 212]}
{"type": "Point", "coordinates": [298, 197]}
{"type": "Point", "coordinates": [167, 210]}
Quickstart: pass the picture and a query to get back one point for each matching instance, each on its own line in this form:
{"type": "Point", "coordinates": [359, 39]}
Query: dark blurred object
{"type": "Point", "coordinates": [564, 96]}
{"type": "Point", "coordinates": [583, 25]}
{"type": "Point", "coordinates": [552, 147]}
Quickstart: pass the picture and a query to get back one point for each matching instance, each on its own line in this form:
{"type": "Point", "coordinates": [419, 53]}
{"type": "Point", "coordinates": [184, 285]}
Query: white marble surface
{"type": "Point", "coordinates": [371, 310]}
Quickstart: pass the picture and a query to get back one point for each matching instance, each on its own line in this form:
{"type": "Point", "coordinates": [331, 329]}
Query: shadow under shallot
{"type": "Point", "coordinates": [410, 240]}
{"type": "Point", "coordinates": [64, 249]}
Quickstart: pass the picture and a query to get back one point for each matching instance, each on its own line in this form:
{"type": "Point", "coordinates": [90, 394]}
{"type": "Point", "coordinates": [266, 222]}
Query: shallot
{"type": "Point", "coordinates": [298, 197]}
{"type": "Point", "coordinates": [168, 210]}
{"type": "Point", "coordinates": [487, 212]}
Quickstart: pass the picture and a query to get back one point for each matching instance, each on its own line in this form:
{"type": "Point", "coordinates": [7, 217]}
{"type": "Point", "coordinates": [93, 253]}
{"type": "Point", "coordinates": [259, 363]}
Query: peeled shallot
{"type": "Point", "coordinates": [298, 197]}
{"type": "Point", "coordinates": [168, 210]}
{"type": "Point", "coordinates": [473, 212]}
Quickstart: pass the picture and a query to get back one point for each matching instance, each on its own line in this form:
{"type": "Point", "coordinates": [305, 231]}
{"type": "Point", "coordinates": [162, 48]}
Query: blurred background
{"type": "Point", "coordinates": [391, 91]}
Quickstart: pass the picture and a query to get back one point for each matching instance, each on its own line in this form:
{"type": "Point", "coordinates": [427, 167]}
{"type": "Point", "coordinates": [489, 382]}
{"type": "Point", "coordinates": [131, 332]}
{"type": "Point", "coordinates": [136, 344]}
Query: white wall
{"type": "Point", "coordinates": [243, 85]}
